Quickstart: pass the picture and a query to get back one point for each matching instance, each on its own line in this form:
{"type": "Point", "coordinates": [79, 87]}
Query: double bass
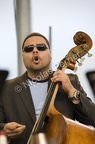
{"type": "Point", "coordinates": [70, 131]}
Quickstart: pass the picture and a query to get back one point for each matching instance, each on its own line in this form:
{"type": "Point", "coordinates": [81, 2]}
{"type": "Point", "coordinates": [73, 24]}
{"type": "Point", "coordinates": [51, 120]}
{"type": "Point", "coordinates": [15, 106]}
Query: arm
{"type": "Point", "coordinates": [84, 108]}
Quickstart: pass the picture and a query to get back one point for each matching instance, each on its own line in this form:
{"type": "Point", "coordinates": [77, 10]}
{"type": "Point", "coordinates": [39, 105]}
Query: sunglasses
{"type": "Point", "coordinates": [40, 47]}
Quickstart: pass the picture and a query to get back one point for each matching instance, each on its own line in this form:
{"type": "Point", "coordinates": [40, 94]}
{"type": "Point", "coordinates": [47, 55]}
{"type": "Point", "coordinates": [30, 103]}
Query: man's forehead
{"type": "Point", "coordinates": [35, 40]}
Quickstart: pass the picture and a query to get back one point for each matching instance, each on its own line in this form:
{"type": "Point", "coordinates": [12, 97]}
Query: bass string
{"type": "Point", "coordinates": [42, 115]}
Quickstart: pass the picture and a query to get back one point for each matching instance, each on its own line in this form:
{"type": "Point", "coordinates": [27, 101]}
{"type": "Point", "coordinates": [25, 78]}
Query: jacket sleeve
{"type": "Point", "coordinates": [85, 110]}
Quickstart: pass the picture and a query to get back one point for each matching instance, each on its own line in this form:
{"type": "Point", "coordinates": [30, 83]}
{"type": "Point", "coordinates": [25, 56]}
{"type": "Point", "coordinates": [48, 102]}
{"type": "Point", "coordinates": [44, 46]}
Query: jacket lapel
{"type": "Point", "coordinates": [26, 96]}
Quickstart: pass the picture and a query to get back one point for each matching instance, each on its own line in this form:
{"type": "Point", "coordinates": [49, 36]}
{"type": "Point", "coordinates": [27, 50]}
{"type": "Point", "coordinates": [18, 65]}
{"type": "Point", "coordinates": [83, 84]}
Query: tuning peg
{"type": "Point", "coordinates": [82, 59]}
{"type": "Point", "coordinates": [75, 69]}
{"type": "Point", "coordinates": [89, 55]}
{"type": "Point", "coordinates": [84, 47]}
{"type": "Point", "coordinates": [79, 63]}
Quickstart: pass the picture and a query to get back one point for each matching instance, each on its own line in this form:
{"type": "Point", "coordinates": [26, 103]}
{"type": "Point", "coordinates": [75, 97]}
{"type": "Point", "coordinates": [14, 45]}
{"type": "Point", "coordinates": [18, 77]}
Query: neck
{"type": "Point", "coordinates": [38, 75]}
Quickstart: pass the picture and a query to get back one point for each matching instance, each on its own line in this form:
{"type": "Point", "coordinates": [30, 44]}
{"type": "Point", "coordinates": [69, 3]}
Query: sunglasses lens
{"type": "Point", "coordinates": [28, 48]}
{"type": "Point", "coordinates": [41, 47]}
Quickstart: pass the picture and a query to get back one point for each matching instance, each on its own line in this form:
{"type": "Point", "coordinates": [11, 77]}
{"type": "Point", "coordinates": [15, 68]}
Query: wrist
{"type": "Point", "coordinates": [75, 97]}
{"type": "Point", "coordinates": [71, 93]}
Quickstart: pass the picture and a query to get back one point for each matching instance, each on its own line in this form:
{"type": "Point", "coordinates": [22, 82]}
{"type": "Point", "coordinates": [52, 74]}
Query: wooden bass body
{"type": "Point", "coordinates": [67, 131]}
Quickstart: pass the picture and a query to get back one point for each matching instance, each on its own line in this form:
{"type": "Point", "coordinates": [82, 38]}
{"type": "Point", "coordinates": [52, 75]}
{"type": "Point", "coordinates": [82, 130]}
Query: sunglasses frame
{"type": "Point", "coordinates": [40, 47]}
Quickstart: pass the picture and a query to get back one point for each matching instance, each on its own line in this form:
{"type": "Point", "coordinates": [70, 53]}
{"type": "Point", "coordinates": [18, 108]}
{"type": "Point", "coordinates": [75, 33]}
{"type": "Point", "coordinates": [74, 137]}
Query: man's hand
{"type": "Point", "coordinates": [13, 129]}
{"type": "Point", "coordinates": [60, 76]}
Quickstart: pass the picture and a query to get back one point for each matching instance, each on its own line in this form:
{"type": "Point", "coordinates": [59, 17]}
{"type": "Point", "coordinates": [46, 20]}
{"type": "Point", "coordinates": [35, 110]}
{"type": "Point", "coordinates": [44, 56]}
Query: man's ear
{"type": "Point", "coordinates": [22, 54]}
{"type": "Point", "coordinates": [50, 54]}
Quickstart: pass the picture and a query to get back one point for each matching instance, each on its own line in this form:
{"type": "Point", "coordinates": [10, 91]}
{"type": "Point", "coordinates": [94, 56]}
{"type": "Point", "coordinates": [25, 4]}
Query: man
{"type": "Point", "coordinates": [23, 97]}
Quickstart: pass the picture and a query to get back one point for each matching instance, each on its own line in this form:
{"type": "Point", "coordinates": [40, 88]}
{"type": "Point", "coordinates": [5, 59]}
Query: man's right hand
{"type": "Point", "coordinates": [13, 129]}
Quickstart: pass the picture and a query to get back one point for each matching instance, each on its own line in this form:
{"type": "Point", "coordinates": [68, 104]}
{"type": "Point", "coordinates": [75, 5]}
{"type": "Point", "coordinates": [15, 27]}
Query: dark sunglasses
{"type": "Point", "coordinates": [40, 47]}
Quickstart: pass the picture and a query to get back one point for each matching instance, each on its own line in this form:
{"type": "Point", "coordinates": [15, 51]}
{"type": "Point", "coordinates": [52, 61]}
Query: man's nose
{"type": "Point", "coordinates": [35, 50]}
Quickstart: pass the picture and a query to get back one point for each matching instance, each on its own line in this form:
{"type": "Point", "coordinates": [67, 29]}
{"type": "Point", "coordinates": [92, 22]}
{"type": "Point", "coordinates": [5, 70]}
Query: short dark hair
{"type": "Point", "coordinates": [36, 34]}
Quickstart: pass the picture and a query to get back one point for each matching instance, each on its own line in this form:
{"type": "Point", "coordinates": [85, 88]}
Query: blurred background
{"type": "Point", "coordinates": [58, 20]}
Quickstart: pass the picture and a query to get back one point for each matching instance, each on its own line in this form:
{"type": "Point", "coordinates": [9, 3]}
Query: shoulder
{"type": "Point", "coordinates": [13, 87]}
{"type": "Point", "coordinates": [16, 80]}
{"type": "Point", "coordinates": [72, 76]}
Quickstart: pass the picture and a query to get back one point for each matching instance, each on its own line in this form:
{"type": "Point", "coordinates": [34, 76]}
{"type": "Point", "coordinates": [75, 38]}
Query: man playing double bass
{"type": "Point", "coordinates": [23, 97]}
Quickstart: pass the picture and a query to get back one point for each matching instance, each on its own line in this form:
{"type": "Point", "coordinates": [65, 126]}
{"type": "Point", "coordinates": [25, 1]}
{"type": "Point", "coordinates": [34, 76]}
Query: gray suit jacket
{"type": "Point", "coordinates": [16, 105]}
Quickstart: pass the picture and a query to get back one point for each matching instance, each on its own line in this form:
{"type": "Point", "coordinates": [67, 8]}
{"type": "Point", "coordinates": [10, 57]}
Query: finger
{"type": "Point", "coordinates": [12, 125]}
{"type": "Point", "coordinates": [16, 132]}
{"type": "Point", "coordinates": [57, 78]}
